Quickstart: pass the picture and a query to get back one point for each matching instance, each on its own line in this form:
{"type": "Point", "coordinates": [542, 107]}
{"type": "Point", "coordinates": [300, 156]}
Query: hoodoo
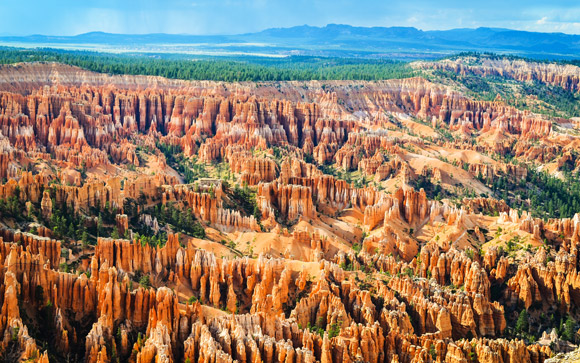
{"type": "Point", "coordinates": [145, 219]}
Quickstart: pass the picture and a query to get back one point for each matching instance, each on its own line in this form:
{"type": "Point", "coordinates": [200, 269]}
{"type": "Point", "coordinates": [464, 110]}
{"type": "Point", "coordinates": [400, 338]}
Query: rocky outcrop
{"type": "Point", "coordinates": [565, 76]}
{"type": "Point", "coordinates": [94, 194]}
{"type": "Point", "coordinates": [296, 168]}
{"type": "Point", "coordinates": [253, 170]}
{"type": "Point", "coordinates": [206, 203]}
{"type": "Point", "coordinates": [122, 223]}
{"type": "Point", "coordinates": [489, 173]}
{"type": "Point", "coordinates": [291, 200]}
{"type": "Point", "coordinates": [489, 206]}
{"type": "Point", "coordinates": [17, 345]}
{"type": "Point", "coordinates": [432, 280]}
{"type": "Point", "coordinates": [360, 328]}
{"type": "Point", "coordinates": [46, 205]}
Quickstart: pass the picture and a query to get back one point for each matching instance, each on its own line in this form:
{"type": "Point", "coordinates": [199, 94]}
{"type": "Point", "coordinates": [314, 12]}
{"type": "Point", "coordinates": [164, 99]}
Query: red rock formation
{"type": "Point", "coordinates": [565, 76]}
{"type": "Point", "coordinates": [253, 170]}
{"type": "Point", "coordinates": [490, 173]}
{"type": "Point", "coordinates": [486, 205]}
{"type": "Point", "coordinates": [122, 223]}
{"type": "Point", "coordinates": [77, 131]}
{"type": "Point", "coordinates": [291, 200]}
{"type": "Point", "coordinates": [296, 168]}
{"type": "Point", "coordinates": [46, 205]}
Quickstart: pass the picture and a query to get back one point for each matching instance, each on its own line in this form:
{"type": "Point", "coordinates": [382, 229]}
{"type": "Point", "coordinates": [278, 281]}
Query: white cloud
{"type": "Point", "coordinates": [542, 21]}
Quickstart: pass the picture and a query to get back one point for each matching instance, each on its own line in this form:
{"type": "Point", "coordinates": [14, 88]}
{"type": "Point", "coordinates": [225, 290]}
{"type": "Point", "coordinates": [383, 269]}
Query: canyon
{"type": "Point", "coordinates": [145, 219]}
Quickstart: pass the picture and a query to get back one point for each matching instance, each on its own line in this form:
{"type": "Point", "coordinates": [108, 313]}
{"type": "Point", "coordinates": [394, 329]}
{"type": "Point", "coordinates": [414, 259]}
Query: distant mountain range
{"type": "Point", "coordinates": [330, 40]}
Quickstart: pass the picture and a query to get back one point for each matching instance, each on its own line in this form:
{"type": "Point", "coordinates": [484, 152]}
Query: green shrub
{"type": "Point", "coordinates": [145, 281]}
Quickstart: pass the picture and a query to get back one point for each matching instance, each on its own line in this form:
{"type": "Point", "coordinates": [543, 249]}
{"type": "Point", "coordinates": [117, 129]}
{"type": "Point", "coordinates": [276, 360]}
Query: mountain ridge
{"type": "Point", "coordinates": [333, 40]}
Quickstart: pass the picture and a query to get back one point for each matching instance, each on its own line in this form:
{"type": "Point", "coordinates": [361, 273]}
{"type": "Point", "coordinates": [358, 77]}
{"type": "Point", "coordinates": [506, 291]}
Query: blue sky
{"type": "Point", "coordinates": [70, 17]}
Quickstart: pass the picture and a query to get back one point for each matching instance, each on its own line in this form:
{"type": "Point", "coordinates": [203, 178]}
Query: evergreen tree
{"type": "Point", "coordinates": [85, 238]}
{"type": "Point", "coordinates": [522, 325]}
{"type": "Point", "coordinates": [115, 233]}
{"type": "Point", "coordinates": [569, 329]}
{"type": "Point", "coordinates": [100, 227]}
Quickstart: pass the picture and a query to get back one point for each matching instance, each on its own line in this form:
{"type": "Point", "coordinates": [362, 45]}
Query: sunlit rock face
{"type": "Point", "coordinates": [153, 220]}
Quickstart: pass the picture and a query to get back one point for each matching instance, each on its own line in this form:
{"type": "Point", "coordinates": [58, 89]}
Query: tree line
{"type": "Point", "coordinates": [229, 69]}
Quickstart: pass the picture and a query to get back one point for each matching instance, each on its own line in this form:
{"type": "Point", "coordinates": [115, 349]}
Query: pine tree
{"type": "Point", "coordinates": [71, 230]}
{"type": "Point", "coordinates": [115, 234]}
{"type": "Point", "coordinates": [522, 325]}
{"type": "Point", "coordinates": [100, 225]}
{"type": "Point", "coordinates": [85, 238]}
{"type": "Point", "coordinates": [569, 330]}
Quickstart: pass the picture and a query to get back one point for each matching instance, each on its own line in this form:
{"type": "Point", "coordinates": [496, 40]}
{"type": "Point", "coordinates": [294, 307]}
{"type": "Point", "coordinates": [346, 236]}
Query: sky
{"type": "Point", "coordinates": [71, 17]}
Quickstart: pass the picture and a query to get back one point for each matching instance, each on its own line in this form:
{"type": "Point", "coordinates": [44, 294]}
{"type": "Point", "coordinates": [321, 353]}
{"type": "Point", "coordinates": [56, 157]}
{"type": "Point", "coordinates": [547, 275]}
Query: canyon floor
{"type": "Point", "coordinates": [145, 219]}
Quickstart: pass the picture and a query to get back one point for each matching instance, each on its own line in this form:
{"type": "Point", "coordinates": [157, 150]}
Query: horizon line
{"type": "Point", "coordinates": [290, 27]}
